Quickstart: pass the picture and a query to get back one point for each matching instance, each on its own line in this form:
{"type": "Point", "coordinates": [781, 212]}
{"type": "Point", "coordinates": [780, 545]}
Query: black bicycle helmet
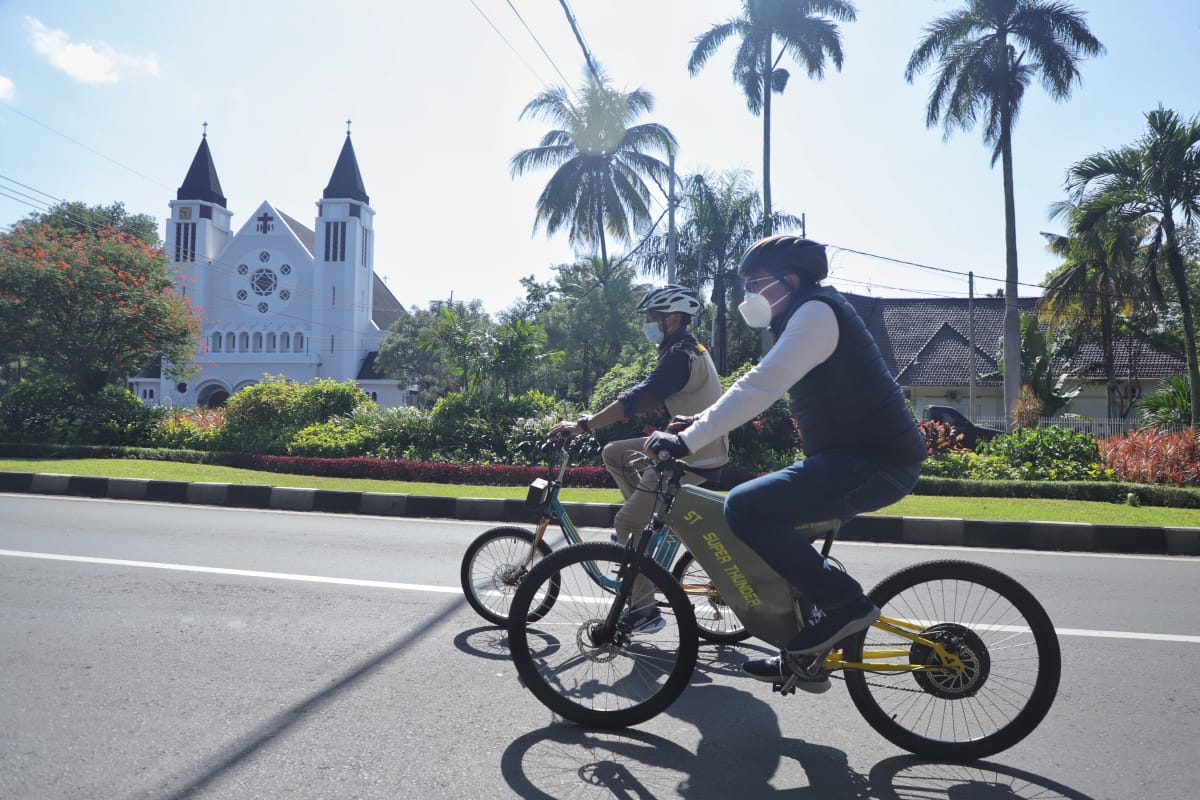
{"type": "Point", "coordinates": [782, 254]}
{"type": "Point", "coordinates": [670, 299]}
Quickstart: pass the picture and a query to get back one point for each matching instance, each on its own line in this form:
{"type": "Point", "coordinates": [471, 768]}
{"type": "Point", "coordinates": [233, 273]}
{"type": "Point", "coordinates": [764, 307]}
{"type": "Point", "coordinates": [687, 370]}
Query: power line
{"type": "Point", "coordinates": [510, 45]}
{"type": "Point", "coordinates": [538, 43]}
{"type": "Point", "coordinates": [587, 56]}
{"type": "Point", "coordinates": [84, 146]}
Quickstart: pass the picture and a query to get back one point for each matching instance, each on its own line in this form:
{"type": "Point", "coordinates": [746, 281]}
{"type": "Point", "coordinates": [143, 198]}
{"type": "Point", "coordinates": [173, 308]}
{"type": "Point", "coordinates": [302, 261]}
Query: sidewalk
{"type": "Point", "coordinates": [1084, 537]}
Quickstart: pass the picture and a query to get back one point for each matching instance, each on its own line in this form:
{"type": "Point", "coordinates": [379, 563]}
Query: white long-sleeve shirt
{"type": "Point", "coordinates": [808, 339]}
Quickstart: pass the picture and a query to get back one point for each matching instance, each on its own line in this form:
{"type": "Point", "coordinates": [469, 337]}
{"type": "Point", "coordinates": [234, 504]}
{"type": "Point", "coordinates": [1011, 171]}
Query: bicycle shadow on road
{"type": "Point", "coordinates": [740, 752]}
{"type": "Point", "coordinates": [210, 770]}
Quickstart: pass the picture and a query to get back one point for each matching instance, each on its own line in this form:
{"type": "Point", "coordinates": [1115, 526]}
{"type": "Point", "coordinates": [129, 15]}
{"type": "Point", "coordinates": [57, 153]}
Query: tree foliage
{"type": "Point", "coordinates": [600, 160]}
{"type": "Point", "coordinates": [1156, 180]}
{"type": "Point", "coordinates": [92, 305]}
{"type": "Point", "coordinates": [807, 31]}
{"type": "Point", "coordinates": [987, 53]}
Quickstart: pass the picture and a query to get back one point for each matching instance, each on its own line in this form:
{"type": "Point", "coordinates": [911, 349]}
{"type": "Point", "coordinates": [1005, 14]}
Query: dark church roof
{"type": "Point", "coordinates": [346, 180]}
{"type": "Point", "coordinates": [306, 236]}
{"type": "Point", "coordinates": [202, 182]}
{"type": "Point", "coordinates": [387, 308]}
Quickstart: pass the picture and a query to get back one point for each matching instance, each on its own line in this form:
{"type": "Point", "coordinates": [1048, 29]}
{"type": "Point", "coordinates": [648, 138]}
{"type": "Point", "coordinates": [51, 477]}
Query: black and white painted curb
{"type": "Point", "coordinates": [1084, 537]}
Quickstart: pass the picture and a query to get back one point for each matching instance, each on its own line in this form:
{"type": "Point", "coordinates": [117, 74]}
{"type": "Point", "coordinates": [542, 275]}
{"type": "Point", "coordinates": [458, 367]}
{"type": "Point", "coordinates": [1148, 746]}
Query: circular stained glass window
{"type": "Point", "coordinates": [284, 294]}
{"type": "Point", "coordinates": [262, 308]}
{"type": "Point", "coordinates": [242, 294]}
{"type": "Point", "coordinates": [264, 256]}
{"type": "Point", "coordinates": [243, 269]}
{"type": "Point", "coordinates": [263, 282]}
{"type": "Point", "coordinates": [286, 269]}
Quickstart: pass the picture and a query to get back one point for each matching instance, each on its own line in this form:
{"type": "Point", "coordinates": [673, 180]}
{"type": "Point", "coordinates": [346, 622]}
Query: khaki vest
{"type": "Point", "coordinates": [701, 391]}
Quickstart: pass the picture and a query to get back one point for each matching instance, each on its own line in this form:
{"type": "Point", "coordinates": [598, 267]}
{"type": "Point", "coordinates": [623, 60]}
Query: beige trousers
{"type": "Point", "coordinates": [629, 467]}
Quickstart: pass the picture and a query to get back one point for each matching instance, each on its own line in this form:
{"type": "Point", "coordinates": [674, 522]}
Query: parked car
{"type": "Point", "coordinates": [971, 432]}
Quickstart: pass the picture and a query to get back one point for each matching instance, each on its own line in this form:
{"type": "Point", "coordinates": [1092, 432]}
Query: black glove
{"type": "Point", "coordinates": [665, 442]}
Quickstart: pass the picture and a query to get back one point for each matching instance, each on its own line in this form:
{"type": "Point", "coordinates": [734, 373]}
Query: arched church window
{"type": "Point", "coordinates": [299, 343]}
{"type": "Point", "coordinates": [270, 343]}
{"type": "Point", "coordinates": [258, 342]}
{"type": "Point", "coordinates": [216, 343]}
{"type": "Point", "coordinates": [244, 342]}
{"type": "Point", "coordinates": [230, 343]}
{"type": "Point", "coordinates": [285, 342]}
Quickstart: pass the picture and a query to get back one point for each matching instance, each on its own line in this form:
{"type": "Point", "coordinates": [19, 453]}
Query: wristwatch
{"type": "Point", "coordinates": [582, 423]}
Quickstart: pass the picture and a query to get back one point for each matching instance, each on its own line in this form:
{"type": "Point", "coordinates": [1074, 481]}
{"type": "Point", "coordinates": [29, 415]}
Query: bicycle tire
{"type": "Point", "coordinates": [622, 683]}
{"type": "Point", "coordinates": [714, 618]}
{"type": "Point", "coordinates": [1003, 635]}
{"type": "Point", "coordinates": [486, 570]}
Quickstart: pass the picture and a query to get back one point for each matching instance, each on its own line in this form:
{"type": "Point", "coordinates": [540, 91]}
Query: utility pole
{"type": "Point", "coordinates": [971, 344]}
{"type": "Point", "coordinates": [671, 246]}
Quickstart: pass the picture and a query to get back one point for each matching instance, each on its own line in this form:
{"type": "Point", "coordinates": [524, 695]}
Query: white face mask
{"type": "Point", "coordinates": [756, 310]}
{"type": "Point", "coordinates": [654, 333]}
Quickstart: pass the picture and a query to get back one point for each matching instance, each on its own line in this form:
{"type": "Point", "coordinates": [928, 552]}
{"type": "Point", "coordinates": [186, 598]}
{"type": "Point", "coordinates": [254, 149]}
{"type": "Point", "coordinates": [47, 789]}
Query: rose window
{"type": "Point", "coordinates": [263, 282]}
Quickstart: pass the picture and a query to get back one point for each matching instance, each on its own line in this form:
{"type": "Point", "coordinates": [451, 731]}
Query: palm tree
{"type": "Point", "coordinates": [987, 54]}
{"type": "Point", "coordinates": [803, 32]}
{"type": "Point", "coordinates": [600, 162]}
{"type": "Point", "coordinates": [1151, 180]}
{"type": "Point", "coordinates": [1095, 286]}
{"type": "Point", "coordinates": [723, 217]}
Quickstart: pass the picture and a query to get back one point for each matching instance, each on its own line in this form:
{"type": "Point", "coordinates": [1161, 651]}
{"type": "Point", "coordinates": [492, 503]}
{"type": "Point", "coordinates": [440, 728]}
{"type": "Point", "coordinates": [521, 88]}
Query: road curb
{"type": "Point", "coordinates": [1058, 536]}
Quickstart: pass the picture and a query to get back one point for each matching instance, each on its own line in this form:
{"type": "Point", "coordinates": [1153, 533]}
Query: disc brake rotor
{"type": "Point", "coordinates": [950, 683]}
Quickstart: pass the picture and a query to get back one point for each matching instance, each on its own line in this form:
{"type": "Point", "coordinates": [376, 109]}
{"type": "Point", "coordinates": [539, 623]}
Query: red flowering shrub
{"type": "Point", "coordinates": [425, 471]}
{"type": "Point", "coordinates": [1152, 456]}
{"type": "Point", "coordinates": [940, 437]}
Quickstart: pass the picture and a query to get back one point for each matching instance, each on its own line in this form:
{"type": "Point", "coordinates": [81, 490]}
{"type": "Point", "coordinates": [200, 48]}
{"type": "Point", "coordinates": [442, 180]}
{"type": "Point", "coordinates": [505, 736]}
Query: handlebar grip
{"type": "Point", "coordinates": [663, 455]}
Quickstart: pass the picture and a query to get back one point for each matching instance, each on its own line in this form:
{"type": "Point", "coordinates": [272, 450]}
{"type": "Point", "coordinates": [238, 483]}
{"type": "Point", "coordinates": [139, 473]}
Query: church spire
{"type": "Point", "coordinates": [202, 182]}
{"type": "Point", "coordinates": [346, 181]}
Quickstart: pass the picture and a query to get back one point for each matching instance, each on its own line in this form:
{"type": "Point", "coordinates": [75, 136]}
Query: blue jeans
{"type": "Point", "coordinates": [764, 512]}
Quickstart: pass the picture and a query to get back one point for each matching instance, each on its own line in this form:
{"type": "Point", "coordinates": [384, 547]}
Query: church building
{"type": "Point", "coordinates": [276, 297]}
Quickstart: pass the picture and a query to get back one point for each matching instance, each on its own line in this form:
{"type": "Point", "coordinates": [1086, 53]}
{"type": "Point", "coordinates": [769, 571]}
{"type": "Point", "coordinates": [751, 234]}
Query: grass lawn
{"type": "Point", "coordinates": [913, 506]}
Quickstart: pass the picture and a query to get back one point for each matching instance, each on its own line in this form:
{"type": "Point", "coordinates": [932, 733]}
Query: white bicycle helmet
{"type": "Point", "coordinates": [671, 299]}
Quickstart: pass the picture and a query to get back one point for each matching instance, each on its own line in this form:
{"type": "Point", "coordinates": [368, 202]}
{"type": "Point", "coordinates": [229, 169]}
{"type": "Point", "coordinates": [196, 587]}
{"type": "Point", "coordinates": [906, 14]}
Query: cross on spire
{"type": "Point", "coordinates": [347, 127]}
{"type": "Point", "coordinates": [205, 134]}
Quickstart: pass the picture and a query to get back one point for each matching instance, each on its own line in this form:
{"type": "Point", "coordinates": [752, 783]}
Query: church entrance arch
{"type": "Point", "coordinates": [213, 395]}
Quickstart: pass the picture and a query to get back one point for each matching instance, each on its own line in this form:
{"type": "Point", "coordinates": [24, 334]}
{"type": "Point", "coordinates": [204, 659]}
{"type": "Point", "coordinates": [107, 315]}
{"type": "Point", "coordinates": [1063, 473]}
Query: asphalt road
{"type": "Point", "coordinates": [165, 651]}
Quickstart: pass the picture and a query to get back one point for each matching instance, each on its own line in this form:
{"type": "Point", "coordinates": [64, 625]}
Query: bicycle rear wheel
{"type": "Point", "coordinates": [493, 567]}
{"type": "Point", "coordinates": [994, 625]}
{"type": "Point", "coordinates": [605, 684]}
{"type": "Point", "coordinates": [714, 618]}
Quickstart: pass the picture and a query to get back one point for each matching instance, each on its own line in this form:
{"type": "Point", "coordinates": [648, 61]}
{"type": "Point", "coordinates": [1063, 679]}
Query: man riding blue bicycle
{"type": "Point", "coordinates": [863, 450]}
{"type": "Point", "coordinates": [686, 382]}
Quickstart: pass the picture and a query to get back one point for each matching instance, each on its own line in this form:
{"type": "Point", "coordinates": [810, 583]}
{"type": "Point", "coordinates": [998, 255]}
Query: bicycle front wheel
{"type": "Point", "coordinates": [495, 564]}
{"type": "Point", "coordinates": [714, 618]}
{"type": "Point", "coordinates": [577, 671]}
{"type": "Point", "coordinates": [1004, 639]}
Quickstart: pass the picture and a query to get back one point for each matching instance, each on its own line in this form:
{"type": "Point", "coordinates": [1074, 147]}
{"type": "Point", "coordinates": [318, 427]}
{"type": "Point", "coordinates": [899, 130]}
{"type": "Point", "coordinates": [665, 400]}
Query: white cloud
{"type": "Point", "coordinates": [6, 88]}
{"type": "Point", "coordinates": [90, 63]}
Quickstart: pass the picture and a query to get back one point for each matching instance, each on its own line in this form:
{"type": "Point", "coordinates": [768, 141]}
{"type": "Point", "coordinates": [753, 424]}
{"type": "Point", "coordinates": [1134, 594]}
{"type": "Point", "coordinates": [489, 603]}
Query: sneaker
{"type": "Point", "coordinates": [644, 619]}
{"type": "Point", "coordinates": [825, 628]}
{"type": "Point", "coordinates": [777, 670]}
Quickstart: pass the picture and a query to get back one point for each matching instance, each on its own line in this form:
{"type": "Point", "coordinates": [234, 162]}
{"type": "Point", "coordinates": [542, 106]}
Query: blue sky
{"type": "Point", "coordinates": [103, 102]}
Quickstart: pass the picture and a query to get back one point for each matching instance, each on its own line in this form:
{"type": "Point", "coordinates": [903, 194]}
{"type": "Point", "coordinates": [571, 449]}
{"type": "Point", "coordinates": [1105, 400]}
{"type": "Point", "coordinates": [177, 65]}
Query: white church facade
{"type": "Point", "coordinates": [276, 297]}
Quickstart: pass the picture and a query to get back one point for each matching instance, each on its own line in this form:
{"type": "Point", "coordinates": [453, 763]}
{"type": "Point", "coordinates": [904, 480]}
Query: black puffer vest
{"type": "Point", "coordinates": [849, 403]}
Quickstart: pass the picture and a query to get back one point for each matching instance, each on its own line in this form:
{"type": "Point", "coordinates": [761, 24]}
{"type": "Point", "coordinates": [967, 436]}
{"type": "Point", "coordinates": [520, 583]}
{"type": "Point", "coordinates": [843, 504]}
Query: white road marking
{"type": "Point", "coordinates": [417, 587]}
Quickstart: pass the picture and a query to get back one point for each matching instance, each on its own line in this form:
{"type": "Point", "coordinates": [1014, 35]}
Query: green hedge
{"type": "Point", "coordinates": [1097, 491]}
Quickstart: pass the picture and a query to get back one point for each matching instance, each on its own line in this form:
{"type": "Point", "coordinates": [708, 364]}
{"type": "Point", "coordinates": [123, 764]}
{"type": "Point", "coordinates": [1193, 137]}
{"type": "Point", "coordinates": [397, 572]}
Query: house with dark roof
{"type": "Point", "coordinates": [926, 343]}
{"type": "Point", "coordinates": [276, 297]}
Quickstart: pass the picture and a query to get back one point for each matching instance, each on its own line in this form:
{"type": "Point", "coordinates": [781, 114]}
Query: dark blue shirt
{"type": "Point", "coordinates": [669, 376]}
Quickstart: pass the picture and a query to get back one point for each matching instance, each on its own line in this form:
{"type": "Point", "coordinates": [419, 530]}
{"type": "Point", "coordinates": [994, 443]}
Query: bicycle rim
{"type": "Point", "coordinates": [714, 618]}
{"type": "Point", "coordinates": [622, 682]}
{"type": "Point", "coordinates": [493, 567]}
{"type": "Point", "coordinates": [1002, 634]}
